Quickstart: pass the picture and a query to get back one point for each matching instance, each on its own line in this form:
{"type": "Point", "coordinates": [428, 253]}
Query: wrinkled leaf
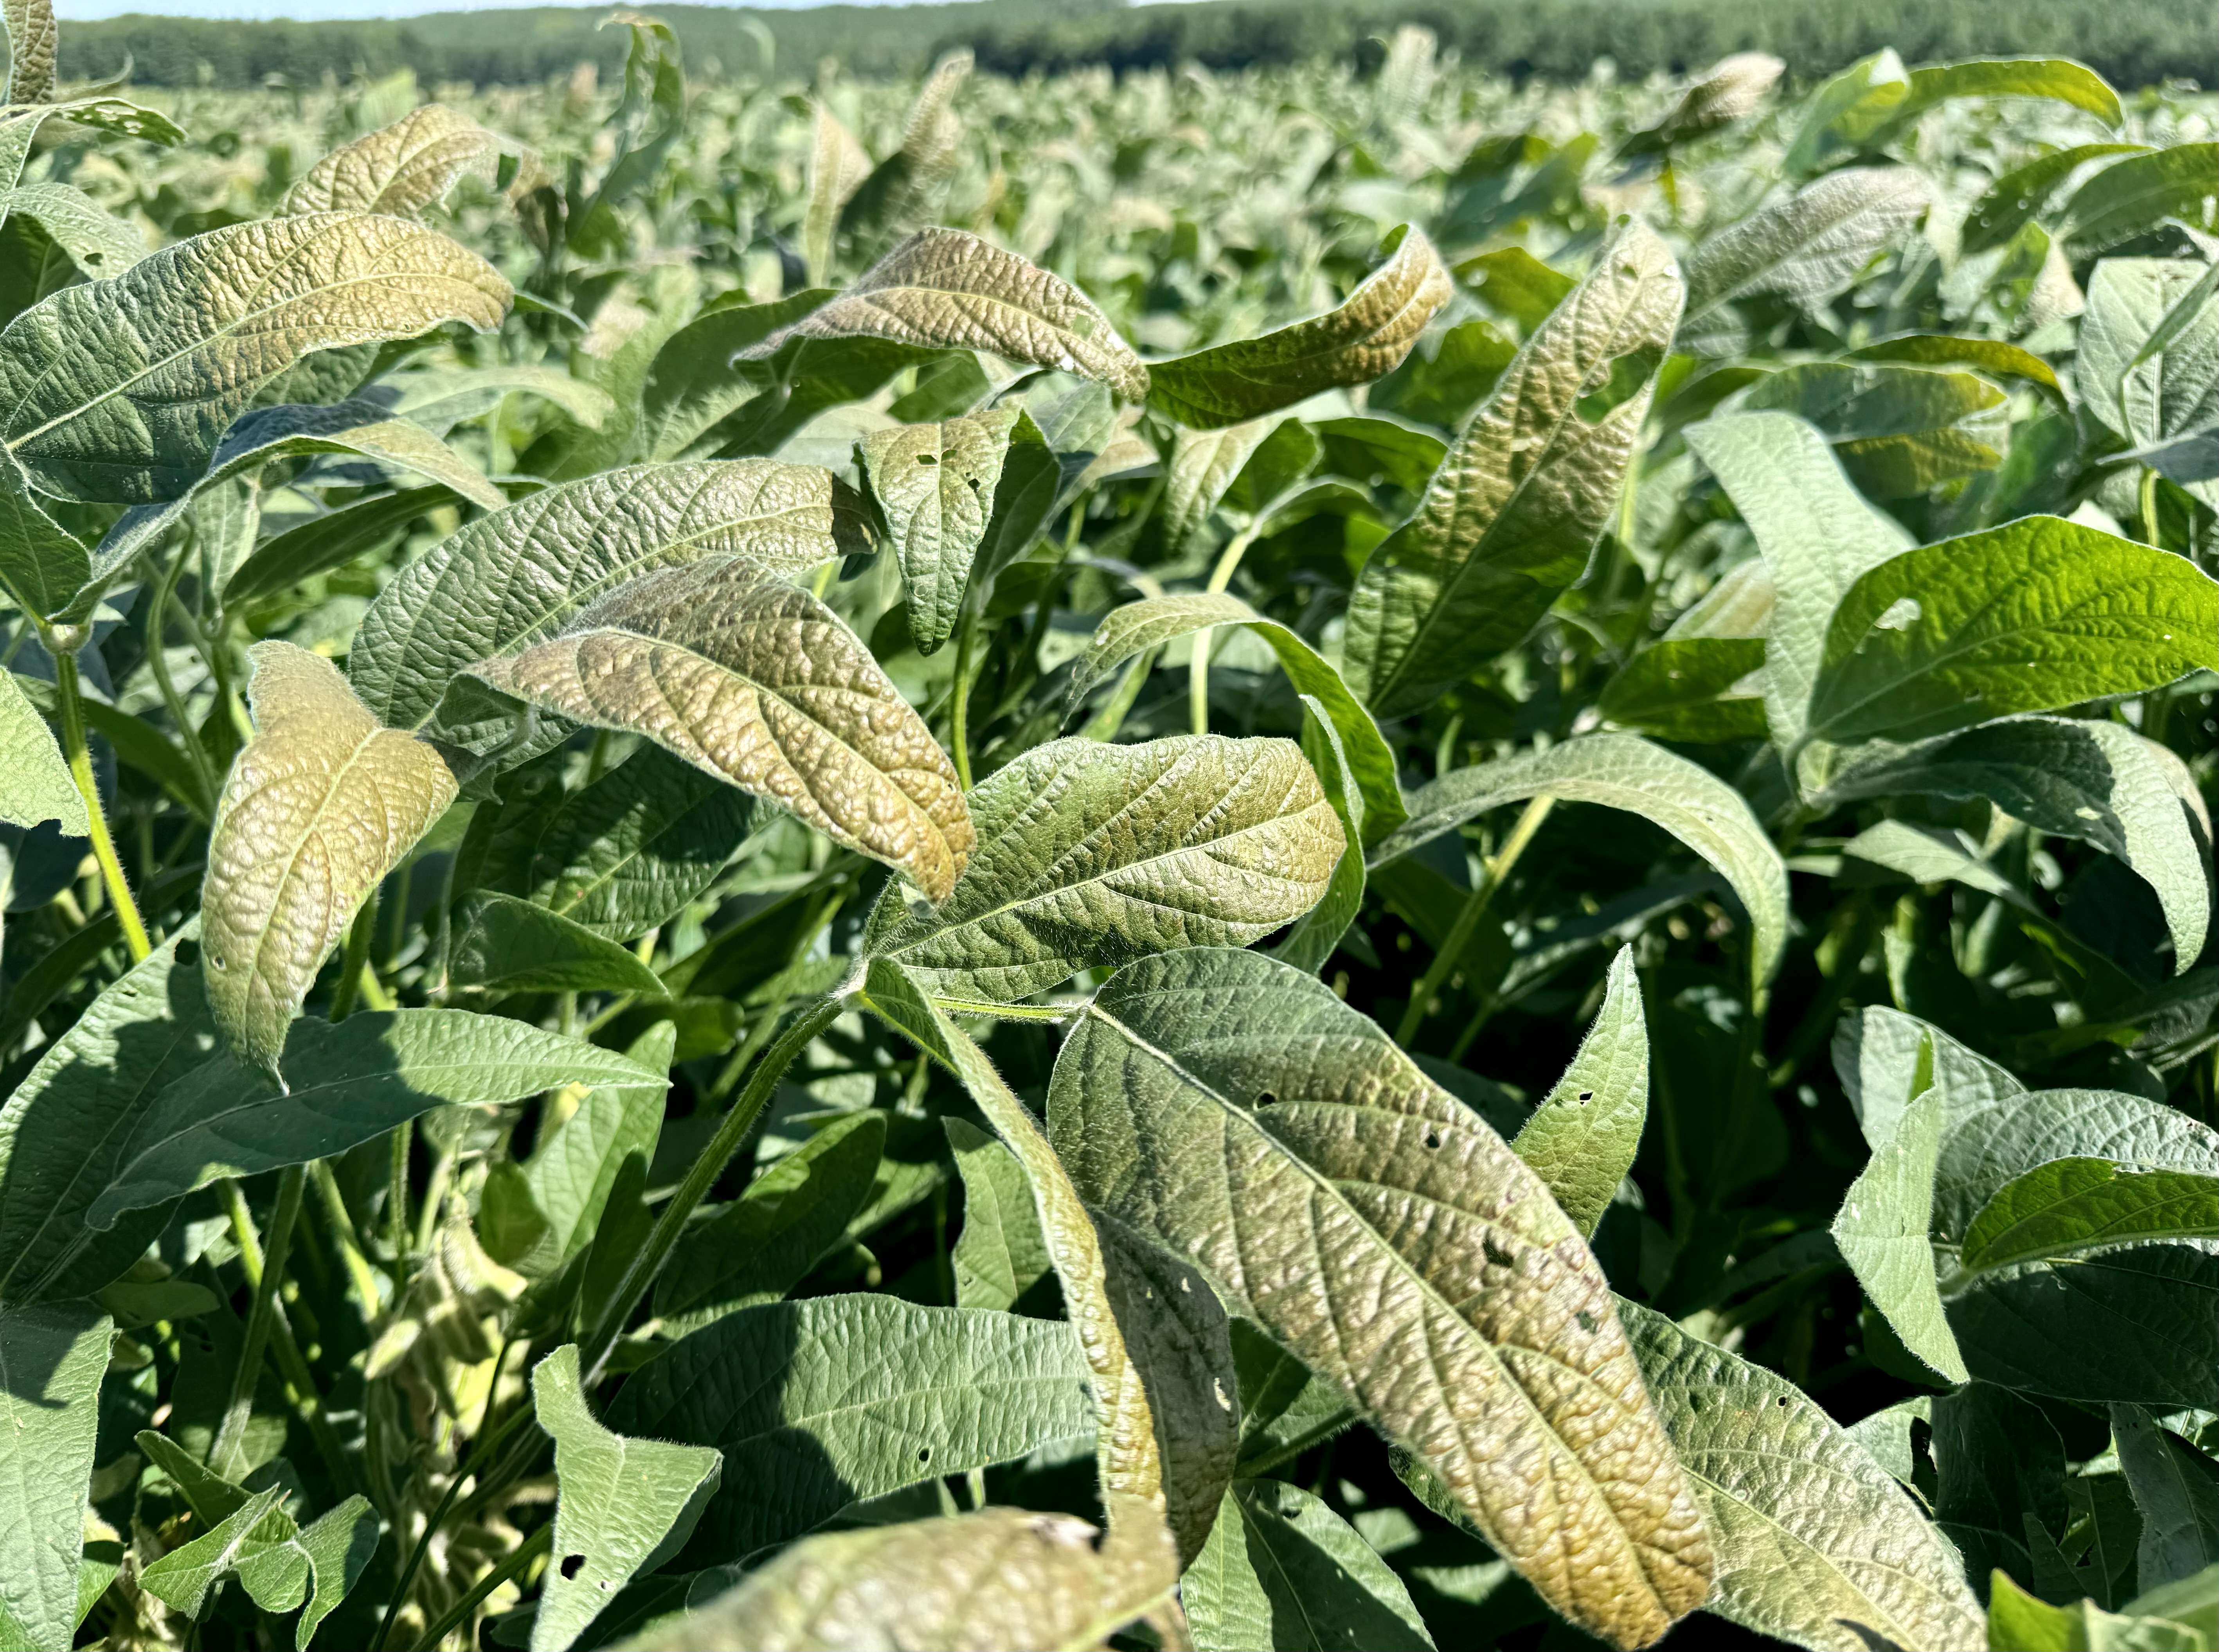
{"type": "Point", "coordinates": [35, 781]}
{"type": "Point", "coordinates": [399, 169]}
{"type": "Point", "coordinates": [1582, 1139]}
{"type": "Point", "coordinates": [935, 484]}
{"type": "Point", "coordinates": [1810, 246]}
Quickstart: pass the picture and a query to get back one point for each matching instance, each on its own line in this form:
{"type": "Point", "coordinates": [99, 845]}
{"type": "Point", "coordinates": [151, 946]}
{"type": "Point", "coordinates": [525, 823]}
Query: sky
{"type": "Point", "coordinates": [86, 10]}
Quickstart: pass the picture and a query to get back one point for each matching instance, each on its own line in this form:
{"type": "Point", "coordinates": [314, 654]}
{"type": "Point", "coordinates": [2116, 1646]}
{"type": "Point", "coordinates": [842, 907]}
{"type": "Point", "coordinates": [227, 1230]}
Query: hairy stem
{"type": "Point", "coordinates": [959, 729]}
{"type": "Point", "coordinates": [226, 1456]}
{"type": "Point", "coordinates": [80, 768]}
{"type": "Point", "coordinates": [157, 661]}
{"type": "Point", "coordinates": [2149, 507]}
{"type": "Point", "coordinates": [356, 959]}
{"type": "Point", "coordinates": [525, 1552]}
{"type": "Point", "coordinates": [648, 1262]}
{"type": "Point", "coordinates": [1475, 908]}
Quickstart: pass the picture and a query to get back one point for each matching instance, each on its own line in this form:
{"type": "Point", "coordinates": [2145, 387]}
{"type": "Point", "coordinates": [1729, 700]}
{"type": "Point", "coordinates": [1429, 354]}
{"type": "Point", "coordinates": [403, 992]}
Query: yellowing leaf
{"type": "Point", "coordinates": [943, 288]}
{"type": "Point", "coordinates": [321, 806]}
{"type": "Point", "coordinates": [1509, 519]}
{"type": "Point", "coordinates": [1091, 854]}
{"type": "Point", "coordinates": [752, 679]}
{"type": "Point", "coordinates": [1367, 337]}
{"type": "Point", "coordinates": [399, 169]}
{"type": "Point", "coordinates": [1233, 1112]}
{"type": "Point", "coordinates": [935, 484]}
{"type": "Point", "coordinates": [121, 389]}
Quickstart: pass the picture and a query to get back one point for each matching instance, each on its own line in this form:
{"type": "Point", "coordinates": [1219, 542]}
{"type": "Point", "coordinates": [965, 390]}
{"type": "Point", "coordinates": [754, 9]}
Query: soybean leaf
{"type": "Point", "coordinates": [36, 785]}
{"type": "Point", "coordinates": [1991, 355]}
{"type": "Point", "coordinates": [1283, 1570]}
{"type": "Point", "coordinates": [819, 1402]}
{"type": "Point", "coordinates": [98, 244]}
{"type": "Point", "coordinates": [762, 1245]}
{"type": "Point", "coordinates": [440, 398]}
{"type": "Point", "coordinates": [2014, 200]}
{"type": "Point", "coordinates": [2148, 362]}
{"type": "Point", "coordinates": [502, 944]}
{"type": "Point", "coordinates": [1898, 431]}
{"type": "Point", "coordinates": [1999, 1473]}
{"type": "Point", "coordinates": [1583, 1138]}
{"type": "Point", "coordinates": [752, 679]}
{"type": "Point", "coordinates": [936, 485]}
{"type": "Point", "coordinates": [328, 1556]}
{"type": "Point", "coordinates": [1202, 471]}
{"type": "Point", "coordinates": [357, 1080]}
{"type": "Point", "coordinates": [185, 1578]}
{"type": "Point", "coordinates": [1233, 1112]}
{"type": "Point", "coordinates": [1000, 1254]}
{"type": "Point", "coordinates": [119, 389]}
{"type": "Point", "coordinates": [1285, 1409]}
{"type": "Point", "coordinates": [1517, 284]}
{"type": "Point", "coordinates": [1039, 1579]}
{"type": "Point", "coordinates": [2072, 1206]}
{"type": "Point", "coordinates": [2131, 196]}
{"type": "Point", "coordinates": [1810, 246]}
{"type": "Point", "coordinates": [1730, 89]}
{"type": "Point", "coordinates": [622, 1507]}
{"type": "Point", "coordinates": [1886, 1059]}
{"type": "Point", "coordinates": [2176, 1488]}
{"type": "Point", "coordinates": [903, 189]}
{"type": "Point", "coordinates": [515, 576]}
{"type": "Point", "coordinates": [400, 169]}
{"type": "Point", "coordinates": [1510, 518]}
{"type": "Point", "coordinates": [2038, 613]}
{"type": "Point", "coordinates": [2058, 78]}
{"type": "Point", "coordinates": [2018, 1619]}
{"type": "Point", "coordinates": [945, 288]}
{"type": "Point", "coordinates": [1815, 1541]}
{"type": "Point", "coordinates": [1682, 688]}
{"type": "Point", "coordinates": [1313, 939]}
{"type": "Point", "coordinates": [41, 565]}
{"type": "Point", "coordinates": [1882, 1231]}
{"type": "Point", "coordinates": [1091, 854]}
{"type": "Point", "coordinates": [838, 163]}
{"type": "Point", "coordinates": [1366, 337]}
{"type": "Point", "coordinates": [1139, 626]}
{"type": "Point", "coordinates": [320, 805]}
{"type": "Point", "coordinates": [27, 26]}
{"type": "Point", "coordinates": [1622, 771]}
{"type": "Point", "coordinates": [321, 544]}
{"type": "Point", "coordinates": [2190, 1602]}
{"type": "Point", "coordinates": [1817, 537]}
{"type": "Point", "coordinates": [52, 1359]}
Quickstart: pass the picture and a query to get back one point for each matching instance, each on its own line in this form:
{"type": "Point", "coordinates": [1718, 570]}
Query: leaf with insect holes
{"type": "Point", "coordinates": [749, 678]}
{"type": "Point", "coordinates": [622, 1507]}
{"type": "Point", "coordinates": [1511, 516]}
{"type": "Point", "coordinates": [2039, 613]}
{"type": "Point", "coordinates": [400, 169]}
{"type": "Point", "coordinates": [515, 577]}
{"type": "Point", "coordinates": [1233, 1112]}
{"type": "Point", "coordinates": [1582, 1139]}
{"type": "Point", "coordinates": [1366, 338]}
{"type": "Point", "coordinates": [320, 805]}
{"type": "Point", "coordinates": [97, 243]}
{"type": "Point", "coordinates": [944, 289]}
{"type": "Point", "coordinates": [1091, 854]}
{"type": "Point", "coordinates": [1004, 1575]}
{"type": "Point", "coordinates": [936, 485]}
{"type": "Point", "coordinates": [121, 389]}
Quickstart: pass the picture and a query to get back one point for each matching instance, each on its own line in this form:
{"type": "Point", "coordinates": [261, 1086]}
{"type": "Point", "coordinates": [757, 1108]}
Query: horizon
{"type": "Point", "coordinates": [325, 11]}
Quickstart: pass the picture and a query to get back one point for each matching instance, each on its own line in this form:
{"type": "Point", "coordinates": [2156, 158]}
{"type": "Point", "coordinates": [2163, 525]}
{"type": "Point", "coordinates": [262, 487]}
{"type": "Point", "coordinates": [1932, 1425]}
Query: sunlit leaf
{"type": "Point", "coordinates": [399, 169]}
{"type": "Point", "coordinates": [35, 781]}
{"type": "Point", "coordinates": [1581, 1139]}
{"type": "Point", "coordinates": [1283, 1570]}
{"type": "Point", "coordinates": [1882, 1232]}
{"type": "Point", "coordinates": [1810, 246]}
{"type": "Point", "coordinates": [936, 485]}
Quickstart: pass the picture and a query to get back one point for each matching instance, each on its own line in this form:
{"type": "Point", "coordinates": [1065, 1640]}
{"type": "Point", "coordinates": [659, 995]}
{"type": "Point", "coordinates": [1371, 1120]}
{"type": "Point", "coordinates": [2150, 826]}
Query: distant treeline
{"type": "Point", "coordinates": [2133, 42]}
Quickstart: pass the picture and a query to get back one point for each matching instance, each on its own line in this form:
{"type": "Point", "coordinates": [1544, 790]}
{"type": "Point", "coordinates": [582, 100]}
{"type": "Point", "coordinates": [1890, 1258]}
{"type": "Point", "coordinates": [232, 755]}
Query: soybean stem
{"type": "Point", "coordinates": [525, 1552]}
{"type": "Point", "coordinates": [1475, 908]}
{"type": "Point", "coordinates": [80, 768]}
{"type": "Point", "coordinates": [225, 1456]}
{"type": "Point", "coordinates": [959, 734]}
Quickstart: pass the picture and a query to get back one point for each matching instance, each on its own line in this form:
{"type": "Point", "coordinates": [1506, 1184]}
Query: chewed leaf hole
{"type": "Point", "coordinates": [928, 458]}
{"type": "Point", "coordinates": [1266, 1099]}
{"type": "Point", "coordinates": [1587, 1095]}
{"type": "Point", "coordinates": [1496, 1253]}
{"type": "Point", "coordinates": [924, 1454]}
{"type": "Point", "coordinates": [1433, 1138]}
{"type": "Point", "coordinates": [572, 1564]}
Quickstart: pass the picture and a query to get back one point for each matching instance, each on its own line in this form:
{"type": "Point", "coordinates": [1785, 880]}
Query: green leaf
{"type": "Point", "coordinates": [1731, 89]}
{"type": "Point", "coordinates": [27, 26]}
{"type": "Point", "coordinates": [358, 1079]}
{"type": "Point", "coordinates": [2072, 1206]}
{"type": "Point", "coordinates": [1091, 854]}
{"type": "Point", "coordinates": [2176, 1488]}
{"type": "Point", "coordinates": [516, 576]}
{"type": "Point", "coordinates": [754, 679]}
{"type": "Point", "coordinates": [936, 485]}
{"type": "Point", "coordinates": [761, 1246]}
{"type": "Point", "coordinates": [2131, 196]}
{"type": "Point", "coordinates": [2191, 1602]}
{"type": "Point", "coordinates": [1283, 1570]}
{"type": "Point", "coordinates": [1231, 1111]}
{"type": "Point", "coordinates": [1312, 940]}
{"type": "Point", "coordinates": [2148, 362]}
{"type": "Point", "coordinates": [96, 242]}
{"type": "Point", "coordinates": [120, 390]}
{"type": "Point", "coordinates": [1038, 1579]}
{"type": "Point", "coordinates": [1509, 519]}
{"type": "Point", "coordinates": [440, 398]}
{"type": "Point", "coordinates": [1817, 535]}
{"type": "Point", "coordinates": [1582, 1139]}
{"type": "Point", "coordinates": [280, 1565]}
{"type": "Point", "coordinates": [52, 1359]}
{"type": "Point", "coordinates": [1809, 247]}
{"type": "Point", "coordinates": [817, 1403]}
{"type": "Point", "coordinates": [1815, 1541]}
{"type": "Point", "coordinates": [338, 1548]}
{"type": "Point", "coordinates": [1622, 771]}
{"type": "Point", "coordinates": [624, 855]}
{"type": "Point", "coordinates": [1679, 688]}
{"type": "Point", "coordinates": [1898, 431]}
{"type": "Point", "coordinates": [1000, 1254]}
{"type": "Point", "coordinates": [2015, 199]}
{"type": "Point", "coordinates": [943, 289]}
{"type": "Point", "coordinates": [2000, 1484]}
{"type": "Point", "coordinates": [1366, 337]}
{"type": "Point", "coordinates": [400, 169]}
{"type": "Point", "coordinates": [1515, 283]}
{"type": "Point", "coordinates": [321, 544]}
{"type": "Point", "coordinates": [622, 1507]}
{"type": "Point", "coordinates": [37, 785]}
{"type": "Point", "coordinates": [2018, 1622]}
{"type": "Point", "coordinates": [1992, 356]}
{"type": "Point", "coordinates": [320, 805]}
{"type": "Point", "coordinates": [1886, 1059]}
{"type": "Point", "coordinates": [1285, 1408]}
{"type": "Point", "coordinates": [42, 566]}
{"type": "Point", "coordinates": [553, 1201]}
{"type": "Point", "coordinates": [1850, 111]}
{"type": "Point", "coordinates": [1137, 626]}
{"type": "Point", "coordinates": [1882, 1231]}
{"type": "Point", "coordinates": [187, 1577]}
{"type": "Point", "coordinates": [2039, 613]}
{"type": "Point", "coordinates": [502, 944]}
{"type": "Point", "coordinates": [1202, 471]}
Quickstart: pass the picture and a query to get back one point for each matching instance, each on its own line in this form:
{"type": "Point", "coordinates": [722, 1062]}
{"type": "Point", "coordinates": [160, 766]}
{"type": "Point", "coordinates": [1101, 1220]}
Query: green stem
{"type": "Point", "coordinates": [359, 1272]}
{"type": "Point", "coordinates": [158, 661]}
{"type": "Point", "coordinates": [356, 959]}
{"type": "Point", "coordinates": [224, 1457]}
{"type": "Point", "coordinates": [2149, 507]}
{"type": "Point", "coordinates": [1104, 724]}
{"type": "Point", "coordinates": [527, 1551]}
{"type": "Point", "coordinates": [958, 732]}
{"type": "Point", "coordinates": [80, 768]}
{"type": "Point", "coordinates": [1198, 666]}
{"type": "Point", "coordinates": [396, 1202]}
{"type": "Point", "coordinates": [463, 1474]}
{"type": "Point", "coordinates": [648, 1262]}
{"type": "Point", "coordinates": [1475, 908]}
